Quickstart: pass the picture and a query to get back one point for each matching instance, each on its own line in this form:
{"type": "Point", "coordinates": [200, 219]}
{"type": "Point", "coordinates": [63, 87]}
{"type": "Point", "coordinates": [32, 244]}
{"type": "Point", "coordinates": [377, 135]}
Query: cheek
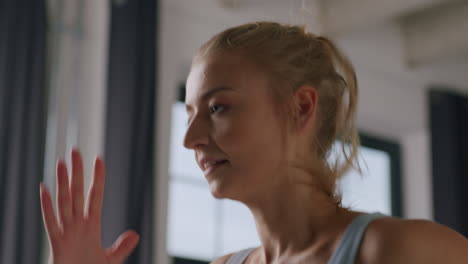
{"type": "Point", "coordinates": [253, 142]}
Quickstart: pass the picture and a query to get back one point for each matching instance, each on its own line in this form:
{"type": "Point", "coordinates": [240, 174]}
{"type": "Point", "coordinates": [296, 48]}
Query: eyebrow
{"type": "Point", "coordinates": [210, 93]}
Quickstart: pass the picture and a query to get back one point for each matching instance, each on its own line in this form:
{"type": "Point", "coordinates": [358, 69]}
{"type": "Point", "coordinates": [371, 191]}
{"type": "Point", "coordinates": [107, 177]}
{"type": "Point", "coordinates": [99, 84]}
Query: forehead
{"type": "Point", "coordinates": [231, 70]}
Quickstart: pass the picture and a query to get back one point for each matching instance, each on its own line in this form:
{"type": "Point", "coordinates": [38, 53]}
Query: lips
{"type": "Point", "coordinates": [209, 164]}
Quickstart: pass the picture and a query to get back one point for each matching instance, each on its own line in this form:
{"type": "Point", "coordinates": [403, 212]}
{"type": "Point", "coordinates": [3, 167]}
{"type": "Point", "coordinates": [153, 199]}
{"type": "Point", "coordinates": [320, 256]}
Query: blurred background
{"type": "Point", "coordinates": [108, 77]}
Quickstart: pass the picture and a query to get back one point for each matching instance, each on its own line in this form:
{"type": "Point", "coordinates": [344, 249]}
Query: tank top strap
{"type": "Point", "coordinates": [350, 243]}
{"type": "Point", "coordinates": [240, 257]}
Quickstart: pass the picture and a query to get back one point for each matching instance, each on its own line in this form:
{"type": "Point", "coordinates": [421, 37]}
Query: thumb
{"type": "Point", "coordinates": [123, 247]}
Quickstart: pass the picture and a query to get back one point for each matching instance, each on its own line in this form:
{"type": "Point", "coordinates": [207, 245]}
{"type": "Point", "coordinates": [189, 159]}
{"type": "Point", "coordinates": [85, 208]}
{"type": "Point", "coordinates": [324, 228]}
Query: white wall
{"type": "Point", "coordinates": [169, 76]}
{"type": "Point", "coordinates": [417, 183]}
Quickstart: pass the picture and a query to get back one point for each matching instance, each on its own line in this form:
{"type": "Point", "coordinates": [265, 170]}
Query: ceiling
{"type": "Point", "coordinates": [433, 29]}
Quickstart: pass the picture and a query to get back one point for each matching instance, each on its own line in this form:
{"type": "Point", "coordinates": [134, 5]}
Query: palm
{"type": "Point", "coordinates": [75, 235]}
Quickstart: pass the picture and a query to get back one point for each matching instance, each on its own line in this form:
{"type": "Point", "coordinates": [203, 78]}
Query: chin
{"type": "Point", "coordinates": [221, 189]}
{"type": "Point", "coordinates": [218, 195]}
{"type": "Point", "coordinates": [217, 190]}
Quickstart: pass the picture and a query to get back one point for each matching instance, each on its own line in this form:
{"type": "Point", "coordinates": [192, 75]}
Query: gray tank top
{"type": "Point", "coordinates": [347, 249]}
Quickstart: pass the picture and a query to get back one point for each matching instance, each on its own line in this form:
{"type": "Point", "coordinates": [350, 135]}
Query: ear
{"type": "Point", "coordinates": [306, 102]}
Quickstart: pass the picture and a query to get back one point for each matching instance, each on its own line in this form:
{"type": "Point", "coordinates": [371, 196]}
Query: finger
{"type": "Point", "coordinates": [50, 221]}
{"type": "Point", "coordinates": [96, 192]}
{"type": "Point", "coordinates": [63, 195]}
{"type": "Point", "coordinates": [123, 247]}
{"type": "Point", "coordinates": [77, 184]}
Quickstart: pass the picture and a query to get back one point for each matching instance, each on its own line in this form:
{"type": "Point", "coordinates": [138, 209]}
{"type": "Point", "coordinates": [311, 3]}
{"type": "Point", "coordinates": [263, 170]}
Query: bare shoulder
{"type": "Point", "coordinates": [393, 240]}
{"type": "Point", "coordinates": [222, 260]}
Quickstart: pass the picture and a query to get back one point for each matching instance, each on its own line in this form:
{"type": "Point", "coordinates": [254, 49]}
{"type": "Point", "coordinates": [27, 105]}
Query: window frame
{"type": "Point", "coordinates": [393, 150]}
{"type": "Point", "coordinates": [180, 260]}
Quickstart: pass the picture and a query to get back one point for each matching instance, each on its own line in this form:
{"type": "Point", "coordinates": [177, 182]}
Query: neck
{"type": "Point", "coordinates": [294, 218]}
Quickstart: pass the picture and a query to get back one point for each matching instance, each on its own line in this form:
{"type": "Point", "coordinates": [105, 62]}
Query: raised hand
{"type": "Point", "coordinates": [75, 233]}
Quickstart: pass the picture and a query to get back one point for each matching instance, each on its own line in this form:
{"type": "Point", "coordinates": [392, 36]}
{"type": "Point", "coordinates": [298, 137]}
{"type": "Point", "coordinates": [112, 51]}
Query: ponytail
{"type": "Point", "coordinates": [346, 116]}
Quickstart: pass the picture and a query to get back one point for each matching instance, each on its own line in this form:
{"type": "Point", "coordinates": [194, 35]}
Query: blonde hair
{"type": "Point", "coordinates": [295, 57]}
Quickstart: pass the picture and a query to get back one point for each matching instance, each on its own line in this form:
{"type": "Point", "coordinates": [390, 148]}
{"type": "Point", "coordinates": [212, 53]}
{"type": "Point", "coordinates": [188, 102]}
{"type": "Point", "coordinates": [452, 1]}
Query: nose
{"type": "Point", "coordinates": [197, 134]}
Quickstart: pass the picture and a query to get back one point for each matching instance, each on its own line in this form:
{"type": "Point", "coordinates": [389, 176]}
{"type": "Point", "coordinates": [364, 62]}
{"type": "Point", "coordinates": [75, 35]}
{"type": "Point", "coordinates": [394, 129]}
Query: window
{"type": "Point", "coordinates": [202, 228]}
{"type": "Point", "coordinates": [368, 192]}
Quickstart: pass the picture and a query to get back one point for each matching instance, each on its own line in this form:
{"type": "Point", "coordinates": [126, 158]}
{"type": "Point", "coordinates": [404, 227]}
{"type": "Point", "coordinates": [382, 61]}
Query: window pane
{"type": "Point", "coordinates": [371, 191]}
{"type": "Point", "coordinates": [191, 222]}
{"type": "Point", "coordinates": [238, 228]}
{"type": "Point", "coordinates": [182, 160]}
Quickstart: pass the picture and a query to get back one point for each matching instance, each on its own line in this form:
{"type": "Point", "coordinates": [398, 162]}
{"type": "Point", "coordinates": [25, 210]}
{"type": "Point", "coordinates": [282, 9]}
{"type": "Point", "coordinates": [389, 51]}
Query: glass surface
{"type": "Point", "coordinates": [182, 161]}
{"type": "Point", "coordinates": [371, 191]}
{"type": "Point", "coordinates": [191, 221]}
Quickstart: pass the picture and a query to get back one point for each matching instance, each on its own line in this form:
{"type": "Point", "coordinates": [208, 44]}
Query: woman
{"type": "Point", "coordinates": [265, 103]}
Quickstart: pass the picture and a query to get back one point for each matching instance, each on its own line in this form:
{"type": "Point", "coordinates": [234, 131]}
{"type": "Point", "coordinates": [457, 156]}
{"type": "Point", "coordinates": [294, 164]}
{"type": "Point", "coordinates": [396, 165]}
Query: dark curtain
{"type": "Point", "coordinates": [449, 140]}
{"type": "Point", "coordinates": [22, 127]}
{"type": "Point", "coordinates": [128, 199]}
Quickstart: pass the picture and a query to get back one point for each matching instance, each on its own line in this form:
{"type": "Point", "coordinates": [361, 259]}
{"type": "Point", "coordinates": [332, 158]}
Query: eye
{"type": "Point", "coordinates": [216, 108]}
